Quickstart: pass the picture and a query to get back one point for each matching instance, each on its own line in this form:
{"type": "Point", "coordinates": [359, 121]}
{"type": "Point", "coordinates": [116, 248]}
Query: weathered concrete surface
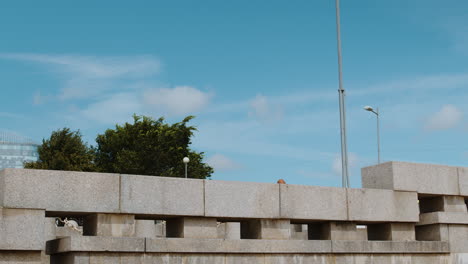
{"type": "Point", "coordinates": [266, 229]}
{"type": "Point", "coordinates": [95, 244]}
{"type": "Point", "coordinates": [22, 229]}
{"type": "Point", "coordinates": [161, 196]}
{"type": "Point", "coordinates": [118, 225]}
{"type": "Point", "coordinates": [60, 190]}
{"type": "Point", "coordinates": [392, 231]}
{"type": "Point", "coordinates": [20, 257]}
{"type": "Point", "coordinates": [389, 247]}
{"type": "Point", "coordinates": [229, 230]}
{"type": "Point", "coordinates": [241, 200]}
{"type": "Point", "coordinates": [313, 203]}
{"type": "Point", "coordinates": [435, 232]}
{"type": "Point", "coordinates": [145, 228]}
{"type": "Point", "coordinates": [443, 218]}
{"type": "Point", "coordinates": [382, 205]}
{"type": "Point", "coordinates": [463, 180]}
{"type": "Point", "coordinates": [192, 227]}
{"type": "Point", "coordinates": [458, 238]}
{"type": "Point", "coordinates": [405, 176]}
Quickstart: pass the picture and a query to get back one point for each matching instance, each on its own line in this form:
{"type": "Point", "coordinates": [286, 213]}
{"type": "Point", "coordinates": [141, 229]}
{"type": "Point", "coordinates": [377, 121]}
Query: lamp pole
{"type": "Point", "coordinates": [376, 112]}
{"type": "Point", "coordinates": [341, 94]}
{"type": "Point", "coordinates": [185, 160]}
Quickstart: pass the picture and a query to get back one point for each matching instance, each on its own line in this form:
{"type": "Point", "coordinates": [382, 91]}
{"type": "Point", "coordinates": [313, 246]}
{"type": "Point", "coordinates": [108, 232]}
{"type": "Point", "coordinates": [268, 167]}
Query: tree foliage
{"type": "Point", "coordinates": [64, 150]}
{"type": "Point", "coordinates": [150, 147]}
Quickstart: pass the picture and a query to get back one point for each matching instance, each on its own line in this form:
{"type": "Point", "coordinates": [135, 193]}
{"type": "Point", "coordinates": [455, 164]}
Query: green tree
{"type": "Point", "coordinates": [150, 147]}
{"type": "Point", "coordinates": [64, 150]}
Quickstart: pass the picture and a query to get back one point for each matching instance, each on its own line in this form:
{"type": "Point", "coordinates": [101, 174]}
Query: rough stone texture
{"type": "Point", "coordinates": [392, 232]}
{"type": "Point", "coordinates": [266, 229]}
{"type": "Point", "coordinates": [95, 244]}
{"type": "Point", "coordinates": [463, 181]}
{"type": "Point", "coordinates": [382, 205]}
{"type": "Point", "coordinates": [192, 227]}
{"type": "Point", "coordinates": [389, 247]}
{"type": "Point", "coordinates": [145, 228]}
{"type": "Point", "coordinates": [436, 232]}
{"type": "Point", "coordinates": [405, 176]}
{"type": "Point", "coordinates": [118, 225]}
{"type": "Point", "coordinates": [22, 229]}
{"type": "Point", "coordinates": [161, 196]}
{"type": "Point", "coordinates": [313, 203]}
{"type": "Point", "coordinates": [234, 246]}
{"type": "Point", "coordinates": [20, 257]}
{"type": "Point", "coordinates": [458, 238]}
{"type": "Point", "coordinates": [61, 190]}
{"type": "Point", "coordinates": [443, 218]}
{"type": "Point", "coordinates": [232, 230]}
{"type": "Point", "coordinates": [241, 200]}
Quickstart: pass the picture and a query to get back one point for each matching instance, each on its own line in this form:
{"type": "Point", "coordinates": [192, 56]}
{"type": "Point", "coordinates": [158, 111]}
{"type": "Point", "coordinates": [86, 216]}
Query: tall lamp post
{"type": "Point", "coordinates": [341, 94]}
{"type": "Point", "coordinates": [376, 112]}
{"type": "Point", "coordinates": [186, 160]}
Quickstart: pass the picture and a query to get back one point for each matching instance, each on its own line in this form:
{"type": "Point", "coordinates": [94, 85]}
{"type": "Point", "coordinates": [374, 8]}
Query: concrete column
{"type": "Point", "coordinates": [266, 229]}
{"type": "Point", "coordinates": [160, 228]}
{"type": "Point", "coordinates": [436, 232]}
{"type": "Point", "coordinates": [442, 204]}
{"type": "Point", "coordinates": [145, 228]}
{"type": "Point", "coordinates": [299, 232]}
{"type": "Point", "coordinates": [118, 225]}
{"type": "Point", "coordinates": [192, 227]}
{"type": "Point", "coordinates": [392, 231]}
{"type": "Point", "coordinates": [334, 231]}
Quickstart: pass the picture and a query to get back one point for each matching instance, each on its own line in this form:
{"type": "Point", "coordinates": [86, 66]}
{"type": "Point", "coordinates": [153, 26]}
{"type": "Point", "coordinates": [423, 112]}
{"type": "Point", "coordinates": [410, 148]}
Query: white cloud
{"type": "Point", "coordinates": [447, 117]}
{"type": "Point", "coordinates": [118, 108]}
{"type": "Point", "coordinates": [88, 76]}
{"type": "Point", "coordinates": [353, 161]}
{"type": "Point", "coordinates": [263, 109]}
{"type": "Point", "coordinates": [220, 162]}
{"type": "Point", "coordinates": [180, 100]}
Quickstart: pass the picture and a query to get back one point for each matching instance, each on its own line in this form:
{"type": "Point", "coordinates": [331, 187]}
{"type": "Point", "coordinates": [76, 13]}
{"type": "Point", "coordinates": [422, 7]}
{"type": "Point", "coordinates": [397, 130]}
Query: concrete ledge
{"type": "Point", "coordinates": [406, 176]}
{"type": "Point", "coordinates": [443, 218]}
{"type": "Point", "coordinates": [180, 245]}
{"type": "Point", "coordinates": [95, 244]}
{"type": "Point", "coordinates": [382, 205]}
{"type": "Point", "coordinates": [241, 200]}
{"type": "Point", "coordinates": [161, 195]}
{"type": "Point", "coordinates": [390, 247]}
{"type": "Point", "coordinates": [313, 203]}
{"type": "Point", "coordinates": [60, 190]}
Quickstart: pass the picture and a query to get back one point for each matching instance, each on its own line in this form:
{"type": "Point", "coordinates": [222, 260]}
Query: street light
{"type": "Point", "coordinates": [376, 112]}
{"type": "Point", "coordinates": [186, 160]}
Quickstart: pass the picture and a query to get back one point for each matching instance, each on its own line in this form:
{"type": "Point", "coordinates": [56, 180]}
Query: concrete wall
{"type": "Point", "coordinates": [410, 213]}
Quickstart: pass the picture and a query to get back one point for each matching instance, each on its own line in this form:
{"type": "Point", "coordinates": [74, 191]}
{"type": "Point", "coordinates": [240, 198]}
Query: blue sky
{"type": "Point", "coordinates": [261, 77]}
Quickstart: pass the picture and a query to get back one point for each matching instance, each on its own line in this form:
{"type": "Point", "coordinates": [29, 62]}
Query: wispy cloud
{"type": "Point", "coordinates": [262, 109]}
{"type": "Point", "coordinates": [447, 117]}
{"type": "Point", "coordinates": [221, 162]}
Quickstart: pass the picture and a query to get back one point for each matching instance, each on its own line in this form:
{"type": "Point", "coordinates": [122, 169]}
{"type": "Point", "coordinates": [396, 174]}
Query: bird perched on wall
{"type": "Point", "coordinates": [281, 181]}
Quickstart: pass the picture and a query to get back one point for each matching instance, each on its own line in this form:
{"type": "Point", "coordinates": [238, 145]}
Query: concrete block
{"type": "Point", "coordinates": [95, 244]}
{"type": "Point", "coordinates": [299, 232]}
{"type": "Point", "coordinates": [20, 257]}
{"type": "Point", "coordinates": [232, 230]}
{"type": "Point", "coordinates": [241, 200]}
{"type": "Point", "coordinates": [458, 238]}
{"type": "Point", "coordinates": [204, 259]}
{"type": "Point", "coordinates": [62, 191]}
{"type": "Point", "coordinates": [362, 247]}
{"type": "Point", "coordinates": [405, 176]}
{"type": "Point", "coordinates": [112, 258]}
{"type": "Point", "coordinates": [118, 225]}
{"type": "Point", "coordinates": [161, 196]}
{"type": "Point", "coordinates": [298, 259]}
{"type": "Point", "coordinates": [442, 204]}
{"type": "Point", "coordinates": [22, 229]}
{"type": "Point", "coordinates": [245, 259]}
{"type": "Point", "coordinates": [374, 205]}
{"type": "Point", "coordinates": [164, 258]}
{"type": "Point", "coordinates": [313, 203]}
{"type": "Point", "coordinates": [266, 229]}
{"type": "Point", "coordinates": [392, 232]}
{"type": "Point", "coordinates": [463, 180]}
{"type": "Point", "coordinates": [443, 218]}
{"type": "Point", "coordinates": [145, 228]}
{"type": "Point", "coordinates": [192, 227]}
{"type": "Point", "coordinates": [334, 231]}
{"type": "Point", "coordinates": [235, 246]}
{"type": "Point", "coordinates": [436, 232]}
{"type": "Point", "coordinates": [160, 228]}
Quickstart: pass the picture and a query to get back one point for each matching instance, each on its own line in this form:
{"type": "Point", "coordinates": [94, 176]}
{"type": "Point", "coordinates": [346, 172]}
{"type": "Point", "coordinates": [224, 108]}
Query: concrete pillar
{"type": "Point", "coordinates": [266, 229]}
{"type": "Point", "coordinates": [145, 228]}
{"type": "Point", "coordinates": [442, 204]}
{"type": "Point", "coordinates": [436, 232]}
{"type": "Point", "coordinates": [299, 232]}
{"type": "Point", "coordinates": [118, 225]}
{"type": "Point", "coordinates": [391, 232]}
{"type": "Point", "coordinates": [192, 227]}
{"type": "Point", "coordinates": [334, 231]}
{"type": "Point", "coordinates": [160, 228]}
